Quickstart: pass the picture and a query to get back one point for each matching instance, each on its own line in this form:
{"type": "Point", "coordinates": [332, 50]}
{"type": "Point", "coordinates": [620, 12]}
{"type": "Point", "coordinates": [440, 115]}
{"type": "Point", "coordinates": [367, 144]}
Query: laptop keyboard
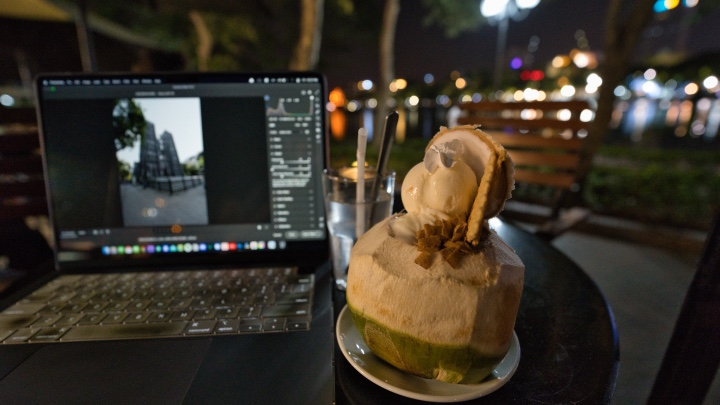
{"type": "Point", "coordinates": [165, 304]}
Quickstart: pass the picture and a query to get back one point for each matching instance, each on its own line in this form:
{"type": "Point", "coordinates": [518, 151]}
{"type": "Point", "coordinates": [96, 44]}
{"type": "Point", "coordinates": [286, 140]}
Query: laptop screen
{"type": "Point", "coordinates": [156, 166]}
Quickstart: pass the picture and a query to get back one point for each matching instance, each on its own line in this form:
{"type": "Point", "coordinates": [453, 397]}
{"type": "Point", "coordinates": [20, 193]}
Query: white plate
{"type": "Point", "coordinates": [383, 374]}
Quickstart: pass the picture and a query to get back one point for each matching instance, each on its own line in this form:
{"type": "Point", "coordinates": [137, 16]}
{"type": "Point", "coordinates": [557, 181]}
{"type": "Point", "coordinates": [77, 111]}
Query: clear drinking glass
{"type": "Point", "coordinates": [347, 218]}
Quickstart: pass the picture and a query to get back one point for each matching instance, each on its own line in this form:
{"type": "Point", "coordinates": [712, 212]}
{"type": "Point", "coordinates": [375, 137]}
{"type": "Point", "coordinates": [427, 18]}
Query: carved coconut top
{"type": "Point", "coordinates": [493, 169]}
{"type": "Point", "coordinates": [465, 178]}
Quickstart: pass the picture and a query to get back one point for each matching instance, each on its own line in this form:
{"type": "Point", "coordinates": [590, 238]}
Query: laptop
{"type": "Point", "coordinates": [191, 254]}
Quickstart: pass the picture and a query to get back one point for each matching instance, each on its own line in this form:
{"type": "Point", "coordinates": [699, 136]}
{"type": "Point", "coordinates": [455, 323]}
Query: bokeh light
{"type": "Point", "coordinates": [366, 85]}
{"type": "Point", "coordinates": [442, 100]}
{"type": "Point", "coordinates": [530, 94]}
{"type": "Point", "coordinates": [7, 100]}
{"type": "Point", "coordinates": [564, 115]}
{"type": "Point", "coordinates": [337, 97]}
{"type": "Point", "coordinates": [581, 60]}
{"type": "Point", "coordinates": [587, 115]}
{"type": "Point", "coordinates": [711, 83]}
{"type": "Point", "coordinates": [527, 3]}
{"type": "Point", "coordinates": [560, 61]}
{"type": "Point", "coordinates": [691, 89]}
{"type": "Point", "coordinates": [567, 90]}
{"type": "Point", "coordinates": [493, 8]}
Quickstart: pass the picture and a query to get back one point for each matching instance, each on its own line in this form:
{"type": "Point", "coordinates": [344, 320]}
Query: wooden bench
{"type": "Point", "coordinates": [544, 139]}
{"type": "Point", "coordinates": [22, 189]}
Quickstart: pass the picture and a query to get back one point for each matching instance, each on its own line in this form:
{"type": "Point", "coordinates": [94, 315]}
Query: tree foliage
{"type": "Point", "coordinates": [454, 16]}
{"type": "Point", "coordinates": [232, 36]}
{"type": "Point", "coordinates": [128, 123]}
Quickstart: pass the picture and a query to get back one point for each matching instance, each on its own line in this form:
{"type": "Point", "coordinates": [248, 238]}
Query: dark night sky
{"type": "Point", "coordinates": [421, 49]}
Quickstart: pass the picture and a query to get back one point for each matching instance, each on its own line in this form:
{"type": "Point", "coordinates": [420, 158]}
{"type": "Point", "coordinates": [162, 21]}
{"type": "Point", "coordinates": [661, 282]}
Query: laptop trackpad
{"type": "Point", "coordinates": [153, 372]}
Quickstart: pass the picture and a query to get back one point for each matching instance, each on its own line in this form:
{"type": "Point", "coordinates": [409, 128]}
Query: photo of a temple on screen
{"type": "Point", "coordinates": [161, 166]}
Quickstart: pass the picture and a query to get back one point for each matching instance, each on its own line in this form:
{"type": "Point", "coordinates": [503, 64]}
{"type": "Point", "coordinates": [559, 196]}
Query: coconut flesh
{"type": "Point", "coordinates": [446, 320]}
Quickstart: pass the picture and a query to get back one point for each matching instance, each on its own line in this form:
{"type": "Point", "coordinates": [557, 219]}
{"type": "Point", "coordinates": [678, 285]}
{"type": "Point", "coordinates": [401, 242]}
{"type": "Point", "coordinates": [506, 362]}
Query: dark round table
{"type": "Point", "coordinates": [568, 337]}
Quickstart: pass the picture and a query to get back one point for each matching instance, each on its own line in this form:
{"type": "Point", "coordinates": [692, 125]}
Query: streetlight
{"type": "Point", "coordinates": [500, 12]}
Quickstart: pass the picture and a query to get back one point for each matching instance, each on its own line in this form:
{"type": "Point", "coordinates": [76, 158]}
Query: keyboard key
{"type": "Point", "coordinates": [47, 320]}
{"type": "Point", "coordinates": [64, 297]}
{"type": "Point", "coordinates": [200, 303]}
{"type": "Point", "coordinates": [227, 312]}
{"type": "Point", "coordinates": [164, 294]}
{"type": "Point", "coordinates": [161, 304]}
{"type": "Point", "coordinates": [92, 319]}
{"type": "Point", "coordinates": [227, 326]}
{"type": "Point", "coordinates": [25, 308]}
{"type": "Point", "coordinates": [96, 307]}
{"type": "Point", "coordinates": [302, 288]}
{"type": "Point", "coordinates": [265, 299]}
{"type": "Point", "coordinates": [139, 305]}
{"type": "Point", "coordinates": [224, 302]}
{"type": "Point", "coordinates": [96, 332]}
{"type": "Point", "coordinates": [117, 306]}
{"type": "Point", "coordinates": [250, 325]}
{"type": "Point", "coordinates": [249, 312]}
{"type": "Point", "coordinates": [292, 299]}
{"type": "Point", "coordinates": [16, 321]}
{"type": "Point", "coordinates": [159, 317]}
{"type": "Point", "coordinates": [69, 319]}
{"type": "Point", "coordinates": [204, 314]}
{"type": "Point", "coordinates": [180, 304]}
{"type": "Point", "coordinates": [137, 317]}
{"type": "Point", "coordinates": [4, 333]}
{"type": "Point", "coordinates": [21, 335]}
{"type": "Point", "coordinates": [49, 334]}
{"type": "Point", "coordinates": [274, 324]}
{"type": "Point", "coordinates": [54, 308]}
{"type": "Point", "coordinates": [182, 315]}
{"type": "Point", "coordinates": [200, 327]}
{"type": "Point", "coordinates": [285, 310]}
{"type": "Point", "coordinates": [75, 308]}
{"type": "Point", "coordinates": [116, 317]}
{"type": "Point", "coordinates": [298, 326]}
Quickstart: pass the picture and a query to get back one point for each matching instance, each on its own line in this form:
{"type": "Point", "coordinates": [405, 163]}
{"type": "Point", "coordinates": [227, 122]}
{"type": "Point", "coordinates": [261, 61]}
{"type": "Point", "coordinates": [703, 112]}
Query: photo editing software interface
{"type": "Point", "coordinates": [172, 164]}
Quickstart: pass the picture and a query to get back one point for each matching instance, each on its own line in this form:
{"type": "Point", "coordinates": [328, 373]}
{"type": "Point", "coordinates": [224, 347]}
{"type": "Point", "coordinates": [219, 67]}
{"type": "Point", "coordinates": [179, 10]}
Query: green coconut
{"type": "Point", "coordinates": [449, 320]}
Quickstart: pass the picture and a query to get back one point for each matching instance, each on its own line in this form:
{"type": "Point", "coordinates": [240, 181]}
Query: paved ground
{"type": "Point", "coordinates": [645, 287]}
{"type": "Point", "coordinates": [147, 206]}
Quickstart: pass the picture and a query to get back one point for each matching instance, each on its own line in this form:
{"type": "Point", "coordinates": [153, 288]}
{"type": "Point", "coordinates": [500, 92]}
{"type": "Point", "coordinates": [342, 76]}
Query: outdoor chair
{"type": "Point", "coordinates": [22, 190]}
{"type": "Point", "coordinates": [544, 139]}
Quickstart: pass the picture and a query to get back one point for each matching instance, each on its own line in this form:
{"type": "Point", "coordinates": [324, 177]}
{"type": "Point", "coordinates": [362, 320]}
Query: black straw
{"type": "Point", "coordinates": [388, 136]}
{"type": "Point", "coordinates": [387, 140]}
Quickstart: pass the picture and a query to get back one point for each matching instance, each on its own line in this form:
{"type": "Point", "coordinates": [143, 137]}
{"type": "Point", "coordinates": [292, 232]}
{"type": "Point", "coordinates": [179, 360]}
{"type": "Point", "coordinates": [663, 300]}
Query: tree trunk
{"type": "Point", "coordinates": [621, 37]}
{"type": "Point", "coordinates": [307, 49]}
{"type": "Point", "coordinates": [205, 40]}
{"type": "Point", "coordinates": [85, 39]}
{"type": "Point", "coordinates": [387, 65]}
